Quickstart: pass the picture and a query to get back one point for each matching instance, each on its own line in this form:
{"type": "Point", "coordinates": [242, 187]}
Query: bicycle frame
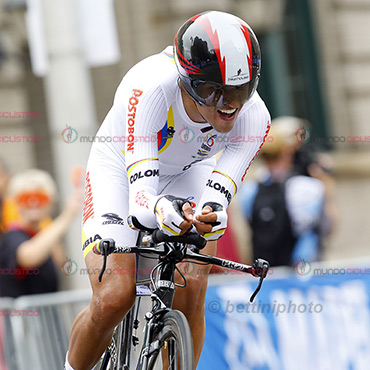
{"type": "Point", "coordinates": [163, 286]}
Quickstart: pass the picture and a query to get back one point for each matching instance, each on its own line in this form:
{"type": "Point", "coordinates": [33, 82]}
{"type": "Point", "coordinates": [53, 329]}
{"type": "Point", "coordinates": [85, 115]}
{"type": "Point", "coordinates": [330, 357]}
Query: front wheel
{"type": "Point", "coordinates": [175, 343]}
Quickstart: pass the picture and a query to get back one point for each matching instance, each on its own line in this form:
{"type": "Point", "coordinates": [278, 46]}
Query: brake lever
{"type": "Point", "coordinates": [257, 289]}
{"type": "Point", "coordinates": [105, 255]}
{"type": "Point", "coordinates": [104, 247]}
{"type": "Point", "coordinates": [261, 268]}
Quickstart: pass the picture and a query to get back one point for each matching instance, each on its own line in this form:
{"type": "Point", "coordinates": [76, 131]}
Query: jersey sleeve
{"type": "Point", "coordinates": [248, 136]}
{"type": "Point", "coordinates": [145, 114]}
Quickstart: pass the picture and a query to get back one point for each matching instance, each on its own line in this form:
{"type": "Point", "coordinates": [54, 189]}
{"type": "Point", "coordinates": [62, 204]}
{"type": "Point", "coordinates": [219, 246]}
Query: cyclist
{"type": "Point", "coordinates": [172, 113]}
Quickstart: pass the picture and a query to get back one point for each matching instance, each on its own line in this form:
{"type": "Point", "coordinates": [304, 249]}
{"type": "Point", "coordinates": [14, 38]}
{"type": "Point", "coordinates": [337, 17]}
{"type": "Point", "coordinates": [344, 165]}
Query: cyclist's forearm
{"type": "Point", "coordinates": [141, 204]}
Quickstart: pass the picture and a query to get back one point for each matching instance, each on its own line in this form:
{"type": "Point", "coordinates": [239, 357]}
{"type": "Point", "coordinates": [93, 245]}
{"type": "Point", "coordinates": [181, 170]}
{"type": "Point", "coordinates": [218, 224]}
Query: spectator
{"type": "Point", "coordinates": [28, 255]}
{"type": "Point", "coordinates": [284, 208]}
{"type": "Point", "coordinates": [4, 178]}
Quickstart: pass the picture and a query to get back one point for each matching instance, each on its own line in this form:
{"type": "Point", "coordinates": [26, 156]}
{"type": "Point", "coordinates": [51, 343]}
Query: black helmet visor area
{"type": "Point", "coordinates": [212, 94]}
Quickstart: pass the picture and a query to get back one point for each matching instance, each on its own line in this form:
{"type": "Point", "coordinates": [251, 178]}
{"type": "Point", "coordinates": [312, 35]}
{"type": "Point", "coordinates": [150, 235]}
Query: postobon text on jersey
{"type": "Point", "coordinates": [132, 103]}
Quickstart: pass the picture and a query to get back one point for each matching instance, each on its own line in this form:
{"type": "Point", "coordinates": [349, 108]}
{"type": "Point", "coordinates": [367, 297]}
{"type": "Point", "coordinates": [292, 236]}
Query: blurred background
{"type": "Point", "coordinates": [62, 60]}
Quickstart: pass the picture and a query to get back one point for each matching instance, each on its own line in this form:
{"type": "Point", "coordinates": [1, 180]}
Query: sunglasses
{"type": "Point", "coordinates": [217, 95]}
{"type": "Point", "coordinates": [33, 199]}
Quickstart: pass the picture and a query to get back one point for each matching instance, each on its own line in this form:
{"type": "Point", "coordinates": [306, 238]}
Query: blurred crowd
{"type": "Point", "coordinates": [286, 211]}
{"type": "Point", "coordinates": [287, 208]}
{"type": "Point", "coordinates": [31, 249]}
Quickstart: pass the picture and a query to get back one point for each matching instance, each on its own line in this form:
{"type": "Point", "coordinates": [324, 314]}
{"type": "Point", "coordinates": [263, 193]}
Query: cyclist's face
{"type": "Point", "coordinates": [222, 117]}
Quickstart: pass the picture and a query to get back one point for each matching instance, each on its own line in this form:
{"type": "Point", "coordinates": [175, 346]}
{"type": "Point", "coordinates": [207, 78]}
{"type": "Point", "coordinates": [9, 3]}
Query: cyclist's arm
{"type": "Point", "coordinates": [249, 134]}
{"type": "Point", "coordinates": [247, 139]}
{"type": "Point", "coordinates": [145, 114]}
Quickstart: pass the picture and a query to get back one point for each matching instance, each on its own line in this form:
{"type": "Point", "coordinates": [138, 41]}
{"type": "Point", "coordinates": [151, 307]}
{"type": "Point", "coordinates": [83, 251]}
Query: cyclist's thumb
{"type": "Point", "coordinates": [188, 211]}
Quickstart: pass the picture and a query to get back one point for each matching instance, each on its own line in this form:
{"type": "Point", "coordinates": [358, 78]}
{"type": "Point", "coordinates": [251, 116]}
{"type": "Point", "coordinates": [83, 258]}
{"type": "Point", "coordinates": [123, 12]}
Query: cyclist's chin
{"type": "Point", "coordinates": [223, 125]}
{"type": "Point", "coordinates": [222, 119]}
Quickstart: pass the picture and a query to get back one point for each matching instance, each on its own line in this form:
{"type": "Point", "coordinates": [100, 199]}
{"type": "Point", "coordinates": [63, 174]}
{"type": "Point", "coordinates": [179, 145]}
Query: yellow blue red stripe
{"type": "Point", "coordinates": [228, 177]}
{"type": "Point", "coordinates": [164, 140]}
{"type": "Point", "coordinates": [214, 233]}
{"type": "Point", "coordinates": [170, 56]}
{"type": "Point", "coordinates": [131, 166]}
{"type": "Point", "coordinates": [164, 225]}
{"type": "Point", "coordinates": [89, 248]}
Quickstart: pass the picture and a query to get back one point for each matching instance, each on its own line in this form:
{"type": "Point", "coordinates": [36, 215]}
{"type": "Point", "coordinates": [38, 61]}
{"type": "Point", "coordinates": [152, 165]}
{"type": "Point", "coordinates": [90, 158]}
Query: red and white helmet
{"type": "Point", "coordinates": [217, 55]}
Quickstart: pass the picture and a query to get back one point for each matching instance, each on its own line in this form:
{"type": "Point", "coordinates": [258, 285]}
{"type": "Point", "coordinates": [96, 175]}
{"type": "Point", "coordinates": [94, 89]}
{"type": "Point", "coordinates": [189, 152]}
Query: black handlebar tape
{"type": "Point", "coordinates": [191, 238]}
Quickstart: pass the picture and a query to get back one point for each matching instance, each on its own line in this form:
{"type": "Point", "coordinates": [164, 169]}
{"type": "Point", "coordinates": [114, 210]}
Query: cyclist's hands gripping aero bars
{"type": "Point", "coordinates": [107, 246]}
{"type": "Point", "coordinates": [159, 236]}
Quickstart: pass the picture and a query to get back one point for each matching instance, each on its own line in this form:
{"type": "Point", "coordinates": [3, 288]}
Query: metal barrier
{"type": "Point", "coordinates": [36, 328]}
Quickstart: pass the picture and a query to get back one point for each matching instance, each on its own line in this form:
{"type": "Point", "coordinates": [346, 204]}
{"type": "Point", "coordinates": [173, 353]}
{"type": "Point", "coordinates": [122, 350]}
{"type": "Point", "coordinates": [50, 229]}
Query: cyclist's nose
{"type": "Point", "coordinates": [229, 101]}
{"type": "Point", "coordinates": [233, 104]}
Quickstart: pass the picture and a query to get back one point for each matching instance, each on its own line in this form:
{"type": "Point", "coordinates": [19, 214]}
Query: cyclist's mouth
{"type": "Point", "coordinates": [227, 114]}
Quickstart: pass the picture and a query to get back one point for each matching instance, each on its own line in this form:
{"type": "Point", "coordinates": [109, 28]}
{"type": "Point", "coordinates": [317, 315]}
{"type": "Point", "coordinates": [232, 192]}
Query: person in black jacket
{"type": "Point", "coordinates": [286, 205]}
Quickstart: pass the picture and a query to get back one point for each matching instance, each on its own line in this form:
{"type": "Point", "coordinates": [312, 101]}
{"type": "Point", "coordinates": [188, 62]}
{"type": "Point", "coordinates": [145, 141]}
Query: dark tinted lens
{"type": "Point", "coordinates": [212, 95]}
{"type": "Point", "coordinates": [205, 89]}
{"type": "Point", "coordinates": [239, 93]}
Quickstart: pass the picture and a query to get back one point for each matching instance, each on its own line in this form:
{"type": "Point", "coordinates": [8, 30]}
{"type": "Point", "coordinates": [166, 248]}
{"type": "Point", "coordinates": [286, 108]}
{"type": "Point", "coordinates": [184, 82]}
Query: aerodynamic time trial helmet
{"type": "Point", "coordinates": [218, 58]}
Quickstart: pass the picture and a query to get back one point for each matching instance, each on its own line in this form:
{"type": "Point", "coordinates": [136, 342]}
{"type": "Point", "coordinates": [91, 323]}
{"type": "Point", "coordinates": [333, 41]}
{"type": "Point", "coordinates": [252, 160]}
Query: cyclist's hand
{"type": "Point", "coordinates": [174, 215]}
{"type": "Point", "coordinates": [212, 221]}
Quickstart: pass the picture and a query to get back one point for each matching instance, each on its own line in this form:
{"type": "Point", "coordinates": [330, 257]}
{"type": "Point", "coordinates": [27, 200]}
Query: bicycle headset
{"type": "Point", "coordinates": [218, 59]}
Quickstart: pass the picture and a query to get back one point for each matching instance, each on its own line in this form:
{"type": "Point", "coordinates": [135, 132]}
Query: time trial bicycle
{"type": "Point", "coordinates": [167, 331]}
